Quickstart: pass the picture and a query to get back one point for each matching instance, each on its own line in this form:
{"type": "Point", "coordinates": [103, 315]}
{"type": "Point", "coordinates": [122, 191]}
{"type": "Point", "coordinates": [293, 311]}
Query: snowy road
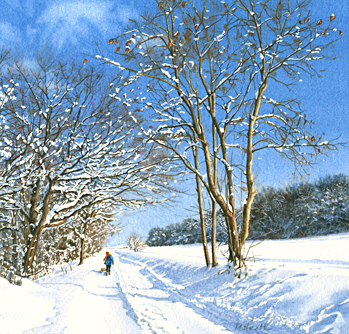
{"type": "Point", "coordinates": [156, 302]}
{"type": "Point", "coordinates": [98, 308]}
{"type": "Point", "coordinates": [299, 286]}
{"type": "Point", "coordinates": [129, 301]}
{"type": "Point", "coordinates": [88, 302]}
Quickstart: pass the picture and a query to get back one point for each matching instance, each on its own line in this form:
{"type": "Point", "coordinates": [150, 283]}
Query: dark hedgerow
{"type": "Point", "coordinates": [297, 211]}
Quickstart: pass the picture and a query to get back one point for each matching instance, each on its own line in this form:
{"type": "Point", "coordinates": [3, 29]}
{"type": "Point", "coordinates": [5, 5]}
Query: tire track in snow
{"type": "Point", "coordinates": [245, 306]}
{"type": "Point", "coordinates": [159, 308]}
{"type": "Point", "coordinates": [213, 313]}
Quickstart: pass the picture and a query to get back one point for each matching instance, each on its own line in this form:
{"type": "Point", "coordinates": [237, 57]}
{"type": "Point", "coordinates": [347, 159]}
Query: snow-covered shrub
{"type": "Point", "coordinates": [135, 242]}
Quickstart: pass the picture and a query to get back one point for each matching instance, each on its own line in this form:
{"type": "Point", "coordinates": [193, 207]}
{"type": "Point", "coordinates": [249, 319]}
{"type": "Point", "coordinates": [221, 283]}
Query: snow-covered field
{"type": "Point", "coordinates": [293, 286]}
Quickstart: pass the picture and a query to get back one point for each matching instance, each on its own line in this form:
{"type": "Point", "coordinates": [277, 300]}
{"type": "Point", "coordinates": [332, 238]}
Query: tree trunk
{"type": "Point", "coordinates": [214, 203]}
{"type": "Point", "coordinates": [82, 250]}
{"type": "Point", "coordinates": [231, 256]}
{"type": "Point", "coordinates": [34, 240]}
{"type": "Point", "coordinates": [86, 226]}
{"type": "Point", "coordinates": [231, 248]}
{"type": "Point", "coordinates": [15, 256]}
{"type": "Point", "coordinates": [214, 231]}
{"type": "Point", "coordinates": [33, 217]}
{"type": "Point", "coordinates": [32, 249]}
{"type": "Point", "coordinates": [245, 224]}
{"type": "Point", "coordinates": [227, 205]}
{"type": "Point", "coordinates": [201, 209]}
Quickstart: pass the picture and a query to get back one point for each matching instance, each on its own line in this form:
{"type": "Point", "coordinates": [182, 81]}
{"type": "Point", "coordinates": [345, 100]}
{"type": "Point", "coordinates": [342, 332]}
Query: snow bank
{"type": "Point", "coordinates": [23, 307]}
{"type": "Point", "coordinates": [290, 286]}
{"type": "Point", "coordinates": [86, 302]}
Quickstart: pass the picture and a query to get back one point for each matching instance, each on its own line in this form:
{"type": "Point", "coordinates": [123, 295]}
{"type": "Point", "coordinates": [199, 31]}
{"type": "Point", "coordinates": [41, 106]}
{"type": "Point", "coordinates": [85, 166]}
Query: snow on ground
{"type": "Point", "coordinates": [17, 312]}
{"type": "Point", "coordinates": [291, 286]}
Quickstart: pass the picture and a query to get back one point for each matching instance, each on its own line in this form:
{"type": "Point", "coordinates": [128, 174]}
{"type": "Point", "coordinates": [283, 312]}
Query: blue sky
{"type": "Point", "coordinates": [70, 30]}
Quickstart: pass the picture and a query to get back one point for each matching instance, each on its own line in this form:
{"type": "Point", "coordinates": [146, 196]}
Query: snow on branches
{"type": "Point", "coordinates": [206, 70]}
{"type": "Point", "coordinates": [70, 161]}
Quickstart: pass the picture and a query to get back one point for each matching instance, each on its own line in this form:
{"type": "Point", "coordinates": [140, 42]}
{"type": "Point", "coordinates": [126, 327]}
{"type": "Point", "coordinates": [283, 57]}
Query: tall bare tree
{"type": "Point", "coordinates": [208, 63]}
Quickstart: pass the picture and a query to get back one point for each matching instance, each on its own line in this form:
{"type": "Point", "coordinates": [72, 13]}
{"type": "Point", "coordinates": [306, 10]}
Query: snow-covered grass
{"type": "Point", "coordinates": [23, 307]}
{"type": "Point", "coordinates": [291, 286]}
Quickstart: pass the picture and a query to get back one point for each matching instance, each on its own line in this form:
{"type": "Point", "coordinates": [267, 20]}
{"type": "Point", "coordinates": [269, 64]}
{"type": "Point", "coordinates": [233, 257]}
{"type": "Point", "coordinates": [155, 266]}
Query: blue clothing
{"type": "Point", "coordinates": [109, 260]}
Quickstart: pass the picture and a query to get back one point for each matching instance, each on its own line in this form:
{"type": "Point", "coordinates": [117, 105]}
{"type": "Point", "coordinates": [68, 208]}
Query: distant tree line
{"type": "Point", "coordinates": [306, 209]}
{"type": "Point", "coordinates": [187, 232]}
{"type": "Point", "coordinates": [301, 210]}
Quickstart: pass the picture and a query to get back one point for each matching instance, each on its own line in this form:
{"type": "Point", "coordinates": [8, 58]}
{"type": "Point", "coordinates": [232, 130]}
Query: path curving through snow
{"type": "Point", "coordinates": [129, 301]}
{"type": "Point", "coordinates": [88, 302]}
{"type": "Point", "coordinates": [297, 286]}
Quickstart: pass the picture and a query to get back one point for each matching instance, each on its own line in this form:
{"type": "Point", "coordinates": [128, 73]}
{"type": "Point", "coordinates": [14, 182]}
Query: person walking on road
{"type": "Point", "coordinates": [108, 261]}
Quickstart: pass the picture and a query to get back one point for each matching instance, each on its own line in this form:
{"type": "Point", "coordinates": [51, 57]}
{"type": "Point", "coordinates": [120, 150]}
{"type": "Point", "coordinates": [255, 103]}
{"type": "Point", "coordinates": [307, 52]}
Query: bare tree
{"type": "Point", "coordinates": [68, 147]}
{"type": "Point", "coordinates": [93, 226]}
{"type": "Point", "coordinates": [205, 70]}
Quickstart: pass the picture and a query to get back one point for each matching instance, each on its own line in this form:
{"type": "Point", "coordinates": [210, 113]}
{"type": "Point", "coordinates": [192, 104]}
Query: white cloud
{"type": "Point", "coordinates": [64, 25]}
{"type": "Point", "coordinates": [9, 33]}
{"type": "Point", "coordinates": [70, 22]}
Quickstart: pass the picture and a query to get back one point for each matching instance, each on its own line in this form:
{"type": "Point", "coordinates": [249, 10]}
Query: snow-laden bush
{"type": "Point", "coordinates": [135, 242]}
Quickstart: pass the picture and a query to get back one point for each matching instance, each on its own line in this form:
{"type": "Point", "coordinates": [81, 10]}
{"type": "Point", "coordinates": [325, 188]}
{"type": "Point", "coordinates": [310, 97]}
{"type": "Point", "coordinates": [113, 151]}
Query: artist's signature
{"type": "Point", "coordinates": [248, 327]}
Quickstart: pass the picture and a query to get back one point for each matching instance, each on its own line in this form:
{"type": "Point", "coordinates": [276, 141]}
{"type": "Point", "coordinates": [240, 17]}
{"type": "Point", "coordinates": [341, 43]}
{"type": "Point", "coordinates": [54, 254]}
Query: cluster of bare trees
{"type": "Point", "coordinates": [199, 86]}
{"type": "Point", "coordinates": [70, 159]}
{"type": "Point", "coordinates": [217, 78]}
